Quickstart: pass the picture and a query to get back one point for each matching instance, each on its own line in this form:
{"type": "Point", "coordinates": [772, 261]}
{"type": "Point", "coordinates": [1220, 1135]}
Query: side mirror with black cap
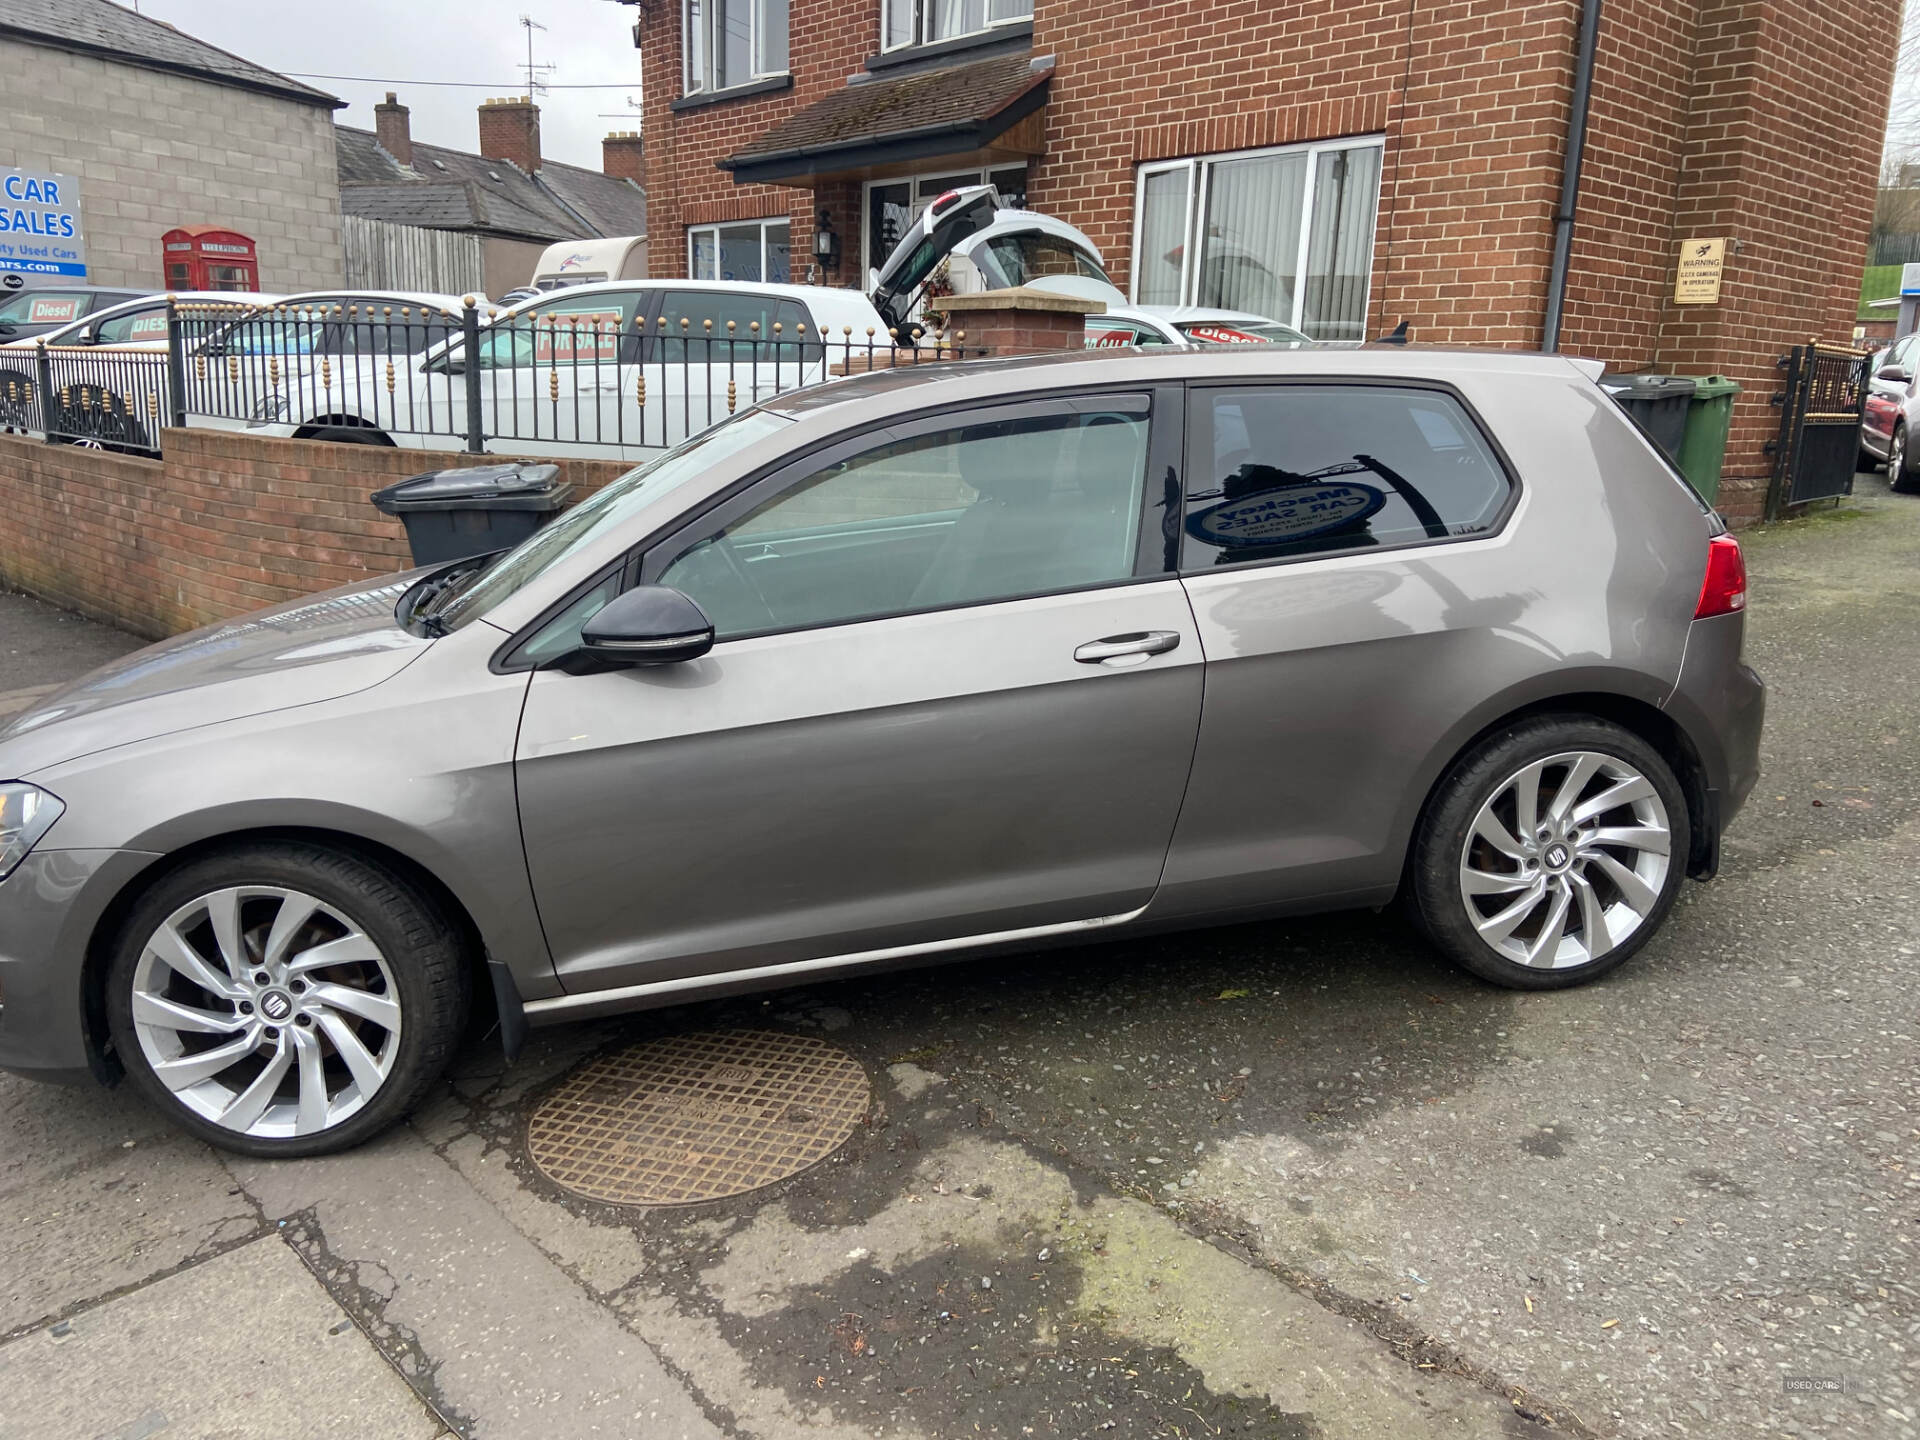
{"type": "Point", "coordinates": [648, 625]}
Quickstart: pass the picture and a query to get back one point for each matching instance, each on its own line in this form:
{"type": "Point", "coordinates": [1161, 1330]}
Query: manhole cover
{"type": "Point", "coordinates": [697, 1117]}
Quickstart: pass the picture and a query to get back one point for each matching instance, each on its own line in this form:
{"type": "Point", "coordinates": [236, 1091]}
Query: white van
{"type": "Point", "coordinates": [582, 262]}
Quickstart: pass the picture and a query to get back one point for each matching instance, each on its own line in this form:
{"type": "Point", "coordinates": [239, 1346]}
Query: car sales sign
{"type": "Point", "coordinates": [40, 240]}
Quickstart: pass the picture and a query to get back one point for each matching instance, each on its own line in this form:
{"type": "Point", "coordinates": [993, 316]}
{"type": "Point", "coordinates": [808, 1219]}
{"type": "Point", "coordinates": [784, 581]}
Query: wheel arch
{"type": "Point", "coordinates": [1635, 713]}
{"type": "Point", "coordinates": [112, 921]}
{"type": "Point", "coordinates": [312, 427]}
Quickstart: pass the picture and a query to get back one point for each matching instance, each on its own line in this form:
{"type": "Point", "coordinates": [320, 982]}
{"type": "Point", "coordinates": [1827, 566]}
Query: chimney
{"type": "Point", "coordinates": [623, 156]}
{"type": "Point", "coordinates": [390, 125]}
{"type": "Point", "coordinates": [510, 131]}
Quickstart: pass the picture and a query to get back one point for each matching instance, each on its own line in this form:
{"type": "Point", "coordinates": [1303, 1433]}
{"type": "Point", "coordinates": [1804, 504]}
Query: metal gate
{"type": "Point", "coordinates": [1820, 409]}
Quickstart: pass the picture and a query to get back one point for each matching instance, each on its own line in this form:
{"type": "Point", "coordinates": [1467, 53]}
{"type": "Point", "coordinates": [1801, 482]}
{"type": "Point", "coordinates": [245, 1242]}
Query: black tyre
{"type": "Point", "coordinates": [285, 999]}
{"type": "Point", "coordinates": [1550, 853]}
{"type": "Point", "coordinates": [1900, 474]}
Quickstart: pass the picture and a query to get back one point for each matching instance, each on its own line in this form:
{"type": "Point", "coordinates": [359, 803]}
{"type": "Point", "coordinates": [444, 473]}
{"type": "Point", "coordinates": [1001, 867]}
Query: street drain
{"type": "Point", "coordinates": [697, 1117]}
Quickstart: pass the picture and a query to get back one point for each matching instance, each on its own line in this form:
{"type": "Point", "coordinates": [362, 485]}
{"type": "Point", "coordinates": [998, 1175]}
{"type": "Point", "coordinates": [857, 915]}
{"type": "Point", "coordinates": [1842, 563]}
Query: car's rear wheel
{"type": "Point", "coordinates": [286, 999]}
{"type": "Point", "coordinates": [1551, 853]}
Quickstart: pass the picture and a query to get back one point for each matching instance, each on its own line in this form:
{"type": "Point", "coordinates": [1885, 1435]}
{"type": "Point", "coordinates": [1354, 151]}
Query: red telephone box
{"type": "Point", "coordinates": [209, 257]}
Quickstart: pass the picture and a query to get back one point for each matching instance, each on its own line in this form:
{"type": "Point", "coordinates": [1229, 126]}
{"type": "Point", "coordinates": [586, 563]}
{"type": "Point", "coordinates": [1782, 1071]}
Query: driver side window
{"type": "Point", "coordinates": [133, 327]}
{"type": "Point", "coordinates": [977, 512]}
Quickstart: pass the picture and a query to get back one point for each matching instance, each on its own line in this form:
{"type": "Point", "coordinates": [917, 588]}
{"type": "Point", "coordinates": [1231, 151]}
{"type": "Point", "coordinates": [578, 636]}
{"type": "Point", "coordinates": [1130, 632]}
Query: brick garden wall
{"type": "Point", "coordinates": [223, 525]}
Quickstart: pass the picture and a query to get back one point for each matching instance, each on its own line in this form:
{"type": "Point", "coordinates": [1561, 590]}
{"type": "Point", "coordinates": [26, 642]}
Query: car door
{"type": "Point", "coordinates": [1885, 398]}
{"type": "Point", "coordinates": [954, 695]}
{"type": "Point", "coordinates": [1353, 603]}
{"type": "Point", "coordinates": [557, 376]}
{"type": "Point", "coordinates": [710, 354]}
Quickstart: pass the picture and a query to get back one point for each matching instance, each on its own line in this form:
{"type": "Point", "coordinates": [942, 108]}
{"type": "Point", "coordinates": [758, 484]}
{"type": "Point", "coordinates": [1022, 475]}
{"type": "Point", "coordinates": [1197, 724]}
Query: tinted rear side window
{"type": "Point", "coordinates": [1281, 471]}
{"type": "Point", "coordinates": [702, 317]}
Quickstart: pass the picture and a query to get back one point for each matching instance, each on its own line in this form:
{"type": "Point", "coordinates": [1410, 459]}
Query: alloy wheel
{"type": "Point", "coordinates": [1566, 860]}
{"type": "Point", "coordinates": [1897, 454]}
{"type": "Point", "coordinates": [266, 1011]}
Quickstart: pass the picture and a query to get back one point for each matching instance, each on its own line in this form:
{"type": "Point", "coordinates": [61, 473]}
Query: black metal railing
{"type": "Point", "coordinates": [596, 377]}
{"type": "Point", "coordinates": [104, 395]}
{"type": "Point", "coordinates": [1821, 405]}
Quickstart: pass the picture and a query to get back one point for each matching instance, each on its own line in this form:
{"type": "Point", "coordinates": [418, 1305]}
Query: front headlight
{"type": "Point", "coordinates": [269, 408]}
{"type": "Point", "coordinates": [26, 814]}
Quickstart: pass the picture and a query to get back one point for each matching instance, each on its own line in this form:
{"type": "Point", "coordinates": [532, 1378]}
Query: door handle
{"type": "Point", "coordinates": [1118, 650]}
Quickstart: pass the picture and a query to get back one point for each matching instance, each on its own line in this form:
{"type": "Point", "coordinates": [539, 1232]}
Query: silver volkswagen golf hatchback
{"type": "Point", "coordinates": [948, 659]}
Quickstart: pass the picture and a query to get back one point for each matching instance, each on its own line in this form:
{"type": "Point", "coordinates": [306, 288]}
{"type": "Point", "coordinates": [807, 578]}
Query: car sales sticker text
{"type": "Point", "coordinates": [1290, 512]}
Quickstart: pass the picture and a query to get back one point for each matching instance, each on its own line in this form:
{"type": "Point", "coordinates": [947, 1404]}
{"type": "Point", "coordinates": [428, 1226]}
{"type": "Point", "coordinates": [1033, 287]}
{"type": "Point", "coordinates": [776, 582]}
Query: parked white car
{"type": "Point", "coordinates": [987, 246]}
{"type": "Point", "coordinates": [1186, 325]}
{"type": "Point", "coordinates": [107, 371]}
{"type": "Point", "coordinates": [310, 355]}
{"type": "Point", "coordinates": [615, 370]}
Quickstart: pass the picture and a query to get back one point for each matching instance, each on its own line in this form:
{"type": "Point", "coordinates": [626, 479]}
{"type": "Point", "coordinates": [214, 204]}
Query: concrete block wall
{"type": "Point", "coordinates": [154, 150]}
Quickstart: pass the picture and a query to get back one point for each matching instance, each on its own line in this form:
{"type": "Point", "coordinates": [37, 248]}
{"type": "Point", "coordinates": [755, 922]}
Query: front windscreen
{"type": "Point", "coordinates": [554, 544]}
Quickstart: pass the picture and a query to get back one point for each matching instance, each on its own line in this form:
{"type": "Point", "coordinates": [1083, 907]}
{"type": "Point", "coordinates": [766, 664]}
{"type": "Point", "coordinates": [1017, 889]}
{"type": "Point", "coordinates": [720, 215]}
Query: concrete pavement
{"type": "Point", "coordinates": [1286, 1180]}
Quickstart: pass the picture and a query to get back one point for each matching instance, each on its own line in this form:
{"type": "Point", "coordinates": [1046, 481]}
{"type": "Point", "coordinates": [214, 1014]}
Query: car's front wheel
{"type": "Point", "coordinates": [286, 999]}
{"type": "Point", "coordinates": [1551, 853]}
{"type": "Point", "coordinates": [1899, 463]}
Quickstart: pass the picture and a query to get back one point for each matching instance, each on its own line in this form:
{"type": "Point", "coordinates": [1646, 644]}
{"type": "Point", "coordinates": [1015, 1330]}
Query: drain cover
{"type": "Point", "coordinates": [697, 1117]}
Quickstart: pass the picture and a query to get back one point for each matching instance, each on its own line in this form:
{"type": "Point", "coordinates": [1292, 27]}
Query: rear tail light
{"type": "Point", "coordinates": [1724, 591]}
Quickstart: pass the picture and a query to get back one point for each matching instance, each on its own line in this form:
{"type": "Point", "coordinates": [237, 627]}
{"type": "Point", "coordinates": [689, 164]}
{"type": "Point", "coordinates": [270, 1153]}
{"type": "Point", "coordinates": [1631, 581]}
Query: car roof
{"type": "Point", "coordinates": [1019, 376]}
{"type": "Point", "coordinates": [140, 300]}
{"type": "Point", "coordinates": [830, 305]}
{"type": "Point", "coordinates": [426, 298]}
{"type": "Point", "coordinates": [79, 288]}
{"type": "Point", "coordinates": [784, 291]}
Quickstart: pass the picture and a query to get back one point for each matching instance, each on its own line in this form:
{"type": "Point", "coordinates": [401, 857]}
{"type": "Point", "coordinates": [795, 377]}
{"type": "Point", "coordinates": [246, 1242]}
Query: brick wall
{"type": "Point", "coordinates": [1746, 119]}
{"type": "Point", "coordinates": [223, 525]}
{"type": "Point", "coordinates": [828, 40]}
{"type": "Point", "coordinates": [154, 151]}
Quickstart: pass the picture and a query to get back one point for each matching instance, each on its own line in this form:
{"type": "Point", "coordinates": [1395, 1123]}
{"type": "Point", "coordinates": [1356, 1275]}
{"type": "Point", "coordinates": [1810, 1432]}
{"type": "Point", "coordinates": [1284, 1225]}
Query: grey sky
{"type": "Point", "coordinates": [465, 40]}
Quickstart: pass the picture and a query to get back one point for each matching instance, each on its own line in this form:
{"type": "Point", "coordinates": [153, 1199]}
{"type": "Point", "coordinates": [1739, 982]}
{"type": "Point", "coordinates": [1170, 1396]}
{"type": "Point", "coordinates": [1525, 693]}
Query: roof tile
{"type": "Point", "coordinates": [888, 106]}
{"type": "Point", "coordinates": [135, 39]}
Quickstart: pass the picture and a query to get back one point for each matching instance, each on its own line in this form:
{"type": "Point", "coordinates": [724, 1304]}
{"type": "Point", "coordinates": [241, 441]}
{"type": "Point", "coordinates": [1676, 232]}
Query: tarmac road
{"type": "Point", "coordinates": [1292, 1180]}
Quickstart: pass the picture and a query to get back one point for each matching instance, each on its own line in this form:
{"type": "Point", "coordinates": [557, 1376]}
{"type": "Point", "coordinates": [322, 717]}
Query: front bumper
{"type": "Point", "coordinates": [50, 908]}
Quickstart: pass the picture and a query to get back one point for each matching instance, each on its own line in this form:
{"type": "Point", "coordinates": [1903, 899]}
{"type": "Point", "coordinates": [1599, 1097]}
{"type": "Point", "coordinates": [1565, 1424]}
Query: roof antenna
{"type": "Point", "coordinates": [536, 74]}
{"type": "Point", "coordinates": [1397, 337]}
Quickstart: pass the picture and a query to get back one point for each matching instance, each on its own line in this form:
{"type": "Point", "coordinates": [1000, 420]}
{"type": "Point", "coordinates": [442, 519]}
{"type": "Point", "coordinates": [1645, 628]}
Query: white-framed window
{"type": "Point", "coordinates": [759, 250]}
{"type": "Point", "coordinates": [921, 22]}
{"type": "Point", "coordinates": [1286, 233]}
{"type": "Point", "coordinates": [893, 205]}
{"type": "Point", "coordinates": [731, 42]}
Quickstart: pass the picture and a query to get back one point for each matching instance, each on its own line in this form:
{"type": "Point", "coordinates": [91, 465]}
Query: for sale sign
{"type": "Point", "coordinates": [40, 239]}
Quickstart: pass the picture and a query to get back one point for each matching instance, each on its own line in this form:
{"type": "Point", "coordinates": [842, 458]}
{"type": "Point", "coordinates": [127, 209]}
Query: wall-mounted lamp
{"type": "Point", "coordinates": [826, 244]}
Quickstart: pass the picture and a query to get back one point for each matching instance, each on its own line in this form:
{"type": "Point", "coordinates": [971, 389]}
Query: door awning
{"type": "Point", "coordinates": [893, 120]}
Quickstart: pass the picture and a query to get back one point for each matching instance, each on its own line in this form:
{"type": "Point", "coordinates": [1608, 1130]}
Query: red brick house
{"type": "Point", "coordinates": [1339, 164]}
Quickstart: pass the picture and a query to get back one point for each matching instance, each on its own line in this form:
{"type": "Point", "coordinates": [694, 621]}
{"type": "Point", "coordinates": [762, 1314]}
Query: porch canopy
{"type": "Point", "coordinates": [888, 124]}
